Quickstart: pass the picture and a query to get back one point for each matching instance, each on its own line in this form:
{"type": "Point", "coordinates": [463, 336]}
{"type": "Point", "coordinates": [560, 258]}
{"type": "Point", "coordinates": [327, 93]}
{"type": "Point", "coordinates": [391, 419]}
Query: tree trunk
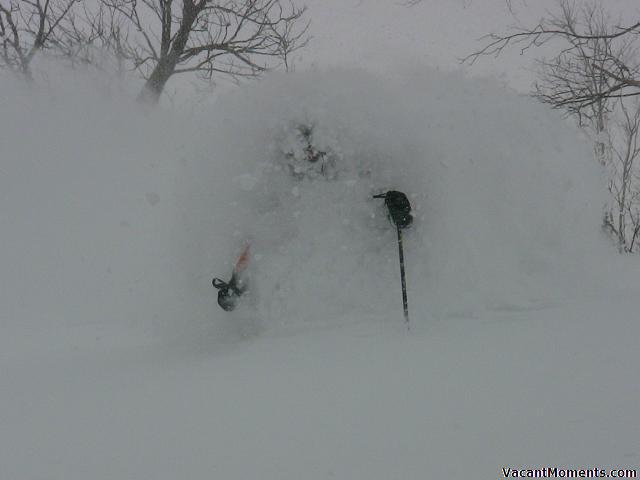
{"type": "Point", "coordinates": [154, 85]}
{"type": "Point", "coordinates": [166, 65]}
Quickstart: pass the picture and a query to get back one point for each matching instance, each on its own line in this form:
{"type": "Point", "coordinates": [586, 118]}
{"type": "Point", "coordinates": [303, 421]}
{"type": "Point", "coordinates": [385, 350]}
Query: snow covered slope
{"type": "Point", "coordinates": [117, 362]}
{"type": "Point", "coordinates": [459, 399]}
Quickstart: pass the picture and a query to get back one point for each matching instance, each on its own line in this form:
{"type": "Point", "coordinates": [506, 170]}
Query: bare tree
{"type": "Point", "coordinates": [595, 77]}
{"type": "Point", "coordinates": [595, 60]}
{"type": "Point", "coordinates": [623, 217]}
{"type": "Point", "coordinates": [27, 27]}
{"type": "Point", "coordinates": [578, 73]}
{"type": "Point", "coordinates": [162, 38]}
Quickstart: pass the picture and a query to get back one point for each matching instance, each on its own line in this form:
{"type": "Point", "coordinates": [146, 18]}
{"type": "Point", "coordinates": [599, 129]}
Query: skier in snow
{"type": "Point", "coordinates": [229, 292]}
{"type": "Point", "coordinates": [306, 161]}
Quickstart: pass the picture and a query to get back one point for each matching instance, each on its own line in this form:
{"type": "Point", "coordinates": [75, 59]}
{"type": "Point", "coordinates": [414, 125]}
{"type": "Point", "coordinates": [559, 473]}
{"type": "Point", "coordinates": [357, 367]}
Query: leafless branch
{"type": "Point", "coordinates": [595, 61]}
{"type": "Point", "coordinates": [28, 27]}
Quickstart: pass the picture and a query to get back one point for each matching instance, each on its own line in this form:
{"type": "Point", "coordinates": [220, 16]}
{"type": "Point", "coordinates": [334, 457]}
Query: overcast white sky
{"type": "Point", "coordinates": [434, 32]}
{"type": "Point", "coordinates": [391, 36]}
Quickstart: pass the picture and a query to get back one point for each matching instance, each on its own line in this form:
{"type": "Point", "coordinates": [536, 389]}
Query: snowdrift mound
{"type": "Point", "coordinates": [505, 195]}
{"type": "Point", "coordinates": [87, 211]}
{"type": "Point", "coordinates": [113, 214]}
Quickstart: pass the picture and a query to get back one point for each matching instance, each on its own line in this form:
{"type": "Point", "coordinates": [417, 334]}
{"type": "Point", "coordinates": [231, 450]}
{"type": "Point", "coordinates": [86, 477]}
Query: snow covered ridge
{"type": "Point", "coordinates": [112, 213]}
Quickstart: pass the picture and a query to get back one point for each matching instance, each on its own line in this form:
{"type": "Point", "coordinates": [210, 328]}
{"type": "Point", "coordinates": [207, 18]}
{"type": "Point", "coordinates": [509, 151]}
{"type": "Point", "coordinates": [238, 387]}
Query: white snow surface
{"type": "Point", "coordinates": [118, 364]}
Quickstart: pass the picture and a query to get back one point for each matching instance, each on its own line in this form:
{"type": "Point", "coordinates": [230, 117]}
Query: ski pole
{"type": "Point", "coordinates": [400, 215]}
{"type": "Point", "coordinates": [403, 281]}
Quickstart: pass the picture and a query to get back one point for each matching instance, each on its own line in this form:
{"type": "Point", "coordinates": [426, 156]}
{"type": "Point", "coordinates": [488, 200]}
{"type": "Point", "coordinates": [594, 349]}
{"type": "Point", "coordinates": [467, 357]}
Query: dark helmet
{"type": "Point", "coordinates": [399, 208]}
